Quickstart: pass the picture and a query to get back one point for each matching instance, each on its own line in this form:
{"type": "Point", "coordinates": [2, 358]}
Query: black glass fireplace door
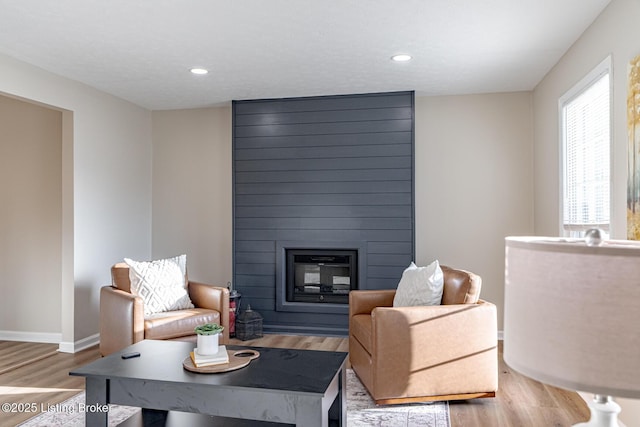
{"type": "Point", "coordinates": [321, 276]}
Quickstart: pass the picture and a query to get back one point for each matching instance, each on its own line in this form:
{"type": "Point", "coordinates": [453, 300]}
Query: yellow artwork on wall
{"type": "Point", "coordinates": [633, 129]}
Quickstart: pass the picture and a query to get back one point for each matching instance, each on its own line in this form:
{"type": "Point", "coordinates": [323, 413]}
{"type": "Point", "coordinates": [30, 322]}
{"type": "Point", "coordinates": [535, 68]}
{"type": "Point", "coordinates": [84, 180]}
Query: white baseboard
{"type": "Point", "coordinates": [51, 338]}
{"type": "Point", "coordinates": [74, 347]}
{"type": "Point", "coordinates": [44, 337]}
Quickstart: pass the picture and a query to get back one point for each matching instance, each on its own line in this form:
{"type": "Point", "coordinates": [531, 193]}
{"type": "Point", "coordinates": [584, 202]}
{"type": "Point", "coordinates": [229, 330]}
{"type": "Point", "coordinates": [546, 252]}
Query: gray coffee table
{"type": "Point", "coordinates": [298, 387]}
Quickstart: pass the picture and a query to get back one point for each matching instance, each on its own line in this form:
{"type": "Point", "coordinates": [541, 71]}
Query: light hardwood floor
{"type": "Point", "coordinates": [520, 402]}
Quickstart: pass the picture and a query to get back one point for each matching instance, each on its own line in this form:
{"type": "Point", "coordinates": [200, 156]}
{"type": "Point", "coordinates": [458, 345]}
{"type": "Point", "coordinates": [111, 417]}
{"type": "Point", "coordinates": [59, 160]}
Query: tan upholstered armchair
{"type": "Point", "coordinates": [424, 353]}
{"type": "Point", "coordinates": [122, 320]}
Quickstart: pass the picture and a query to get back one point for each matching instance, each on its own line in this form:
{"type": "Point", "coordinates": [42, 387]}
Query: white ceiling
{"type": "Point", "coordinates": [141, 50]}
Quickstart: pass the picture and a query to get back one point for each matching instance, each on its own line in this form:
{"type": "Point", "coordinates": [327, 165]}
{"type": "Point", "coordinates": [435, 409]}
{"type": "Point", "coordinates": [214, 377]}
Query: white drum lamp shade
{"type": "Point", "coordinates": [572, 317]}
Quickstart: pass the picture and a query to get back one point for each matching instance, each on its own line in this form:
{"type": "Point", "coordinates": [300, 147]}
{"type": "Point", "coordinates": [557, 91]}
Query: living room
{"type": "Point", "coordinates": [147, 183]}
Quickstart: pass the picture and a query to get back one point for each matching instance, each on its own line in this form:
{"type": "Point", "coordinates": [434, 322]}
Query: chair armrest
{"type": "Point", "coordinates": [434, 337]}
{"type": "Point", "coordinates": [449, 325]}
{"type": "Point", "coordinates": [363, 302]}
{"type": "Point", "coordinates": [213, 298]}
{"type": "Point", "coordinates": [121, 319]}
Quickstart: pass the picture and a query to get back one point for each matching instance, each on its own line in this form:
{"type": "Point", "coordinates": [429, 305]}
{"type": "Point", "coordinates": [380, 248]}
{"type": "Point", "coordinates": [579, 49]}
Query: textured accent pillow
{"type": "Point", "coordinates": [420, 286]}
{"type": "Point", "coordinates": [161, 284]}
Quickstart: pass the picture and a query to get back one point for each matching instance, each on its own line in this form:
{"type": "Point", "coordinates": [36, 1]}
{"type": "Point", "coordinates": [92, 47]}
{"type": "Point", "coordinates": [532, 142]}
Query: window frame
{"type": "Point", "coordinates": [600, 70]}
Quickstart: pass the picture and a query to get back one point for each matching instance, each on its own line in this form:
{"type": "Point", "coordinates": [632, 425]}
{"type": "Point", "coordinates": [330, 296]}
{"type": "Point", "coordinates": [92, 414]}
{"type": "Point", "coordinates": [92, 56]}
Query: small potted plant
{"type": "Point", "coordinates": [208, 338]}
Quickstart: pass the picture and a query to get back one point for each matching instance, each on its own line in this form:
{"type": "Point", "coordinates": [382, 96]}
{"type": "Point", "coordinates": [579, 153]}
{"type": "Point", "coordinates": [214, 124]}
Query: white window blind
{"type": "Point", "coordinates": [586, 141]}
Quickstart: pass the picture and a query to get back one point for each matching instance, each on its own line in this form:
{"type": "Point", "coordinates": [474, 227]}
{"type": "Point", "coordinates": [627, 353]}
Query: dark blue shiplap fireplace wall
{"type": "Point", "coordinates": [327, 172]}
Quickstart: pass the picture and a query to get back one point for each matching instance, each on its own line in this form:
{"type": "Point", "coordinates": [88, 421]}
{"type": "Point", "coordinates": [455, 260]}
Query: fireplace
{"type": "Point", "coordinates": [324, 173]}
{"type": "Point", "coordinates": [321, 276]}
{"type": "Point", "coordinates": [317, 276]}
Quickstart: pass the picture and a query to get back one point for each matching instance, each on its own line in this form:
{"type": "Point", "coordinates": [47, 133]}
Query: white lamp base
{"type": "Point", "coordinates": [604, 413]}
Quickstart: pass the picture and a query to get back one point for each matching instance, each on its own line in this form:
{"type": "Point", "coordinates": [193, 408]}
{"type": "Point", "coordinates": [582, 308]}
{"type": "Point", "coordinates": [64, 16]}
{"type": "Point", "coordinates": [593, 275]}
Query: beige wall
{"type": "Point", "coordinates": [106, 189]}
{"type": "Point", "coordinates": [192, 190]}
{"type": "Point", "coordinates": [615, 32]}
{"type": "Point", "coordinates": [474, 180]}
{"type": "Point", "coordinates": [473, 184]}
{"type": "Point", "coordinates": [30, 220]}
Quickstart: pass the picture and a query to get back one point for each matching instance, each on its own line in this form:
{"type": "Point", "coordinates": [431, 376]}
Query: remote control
{"type": "Point", "coordinates": [130, 355]}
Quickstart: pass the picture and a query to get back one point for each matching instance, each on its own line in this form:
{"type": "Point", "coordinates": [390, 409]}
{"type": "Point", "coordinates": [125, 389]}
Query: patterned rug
{"type": "Point", "coordinates": [361, 412]}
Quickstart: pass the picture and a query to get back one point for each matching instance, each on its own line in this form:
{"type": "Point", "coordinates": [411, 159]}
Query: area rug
{"type": "Point", "coordinates": [361, 412]}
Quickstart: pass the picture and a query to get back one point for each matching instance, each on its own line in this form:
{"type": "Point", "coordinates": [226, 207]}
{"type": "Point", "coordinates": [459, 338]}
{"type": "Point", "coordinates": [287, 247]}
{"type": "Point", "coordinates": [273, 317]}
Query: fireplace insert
{"type": "Point", "coordinates": [321, 276]}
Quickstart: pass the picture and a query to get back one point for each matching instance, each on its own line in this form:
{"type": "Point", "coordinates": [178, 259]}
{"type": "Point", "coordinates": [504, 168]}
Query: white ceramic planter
{"type": "Point", "coordinates": [208, 344]}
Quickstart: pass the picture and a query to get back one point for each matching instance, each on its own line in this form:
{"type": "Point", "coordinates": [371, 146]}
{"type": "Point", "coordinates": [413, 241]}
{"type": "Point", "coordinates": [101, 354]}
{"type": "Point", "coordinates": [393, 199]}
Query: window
{"type": "Point", "coordinates": [586, 142]}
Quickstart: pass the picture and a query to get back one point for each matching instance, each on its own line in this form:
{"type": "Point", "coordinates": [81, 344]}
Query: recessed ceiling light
{"type": "Point", "coordinates": [199, 71]}
{"type": "Point", "coordinates": [402, 57]}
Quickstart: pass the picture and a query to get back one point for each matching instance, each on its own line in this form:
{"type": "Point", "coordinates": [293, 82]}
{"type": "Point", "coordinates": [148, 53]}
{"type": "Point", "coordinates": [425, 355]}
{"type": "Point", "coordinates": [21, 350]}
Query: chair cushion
{"type": "Point", "coordinates": [420, 286]}
{"type": "Point", "coordinates": [167, 325]}
{"type": "Point", "coordinates": [361, 330]}
{"type": "Point", "coordinates": [161, 284]}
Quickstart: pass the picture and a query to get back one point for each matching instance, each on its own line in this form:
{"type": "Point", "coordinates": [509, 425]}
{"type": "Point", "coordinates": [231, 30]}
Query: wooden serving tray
{"type": "Point", "coordinates": [237, 359]}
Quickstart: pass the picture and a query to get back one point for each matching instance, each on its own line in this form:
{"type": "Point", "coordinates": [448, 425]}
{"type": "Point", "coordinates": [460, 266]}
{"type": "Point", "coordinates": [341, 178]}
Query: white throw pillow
{"type": "Point", "coordinates": [420, 286]}
{"type": "Point", "coordinates": [161, 284]}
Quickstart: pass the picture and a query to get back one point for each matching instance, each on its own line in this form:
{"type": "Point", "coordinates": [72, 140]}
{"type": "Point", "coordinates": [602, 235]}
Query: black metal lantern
{"type": "Point", "coordinates": [248, 325]}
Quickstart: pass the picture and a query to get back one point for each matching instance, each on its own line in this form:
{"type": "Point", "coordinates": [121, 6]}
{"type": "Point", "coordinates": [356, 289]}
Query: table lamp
{"type": "Point", "coordinates": [572, 317]}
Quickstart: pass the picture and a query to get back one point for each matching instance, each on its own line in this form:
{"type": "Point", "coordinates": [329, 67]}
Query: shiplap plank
{"type": "Point", "coordinates": [262, 305]}
{"type": "Point", "coordinates": [244, 280]}
{"type": "Point", "coordinates": [320, 223]}
{"type": "Point", "coordinates": [256, 269]}
{"type": "Point", "coordinates": [261, 292]}
{"type": "Point", "coordinates": [389, 247]}
{"type": "Point", "coordinates": [385, 271]}
{"type": "Point", "coordinates": [324, 116]}
{"type": "Point", "coordinates": [401, 125]}
{"type": "Point", "coordinates": [343, 152]}
{"type": "Point", "coordinates": [334, 140]}
{"type": "Point", "coordinates": [374, 162]}
{"type": "Point", "coordinates": [324, 176]}
{"type": "Point", "coordinates": [329, 211]}
{"type": "Point", "coordinates": [315, 235]}
{"type": "Point", "coordinates": [352, 199]}
{"type": "Point", "coordinates": [348, 102]}
{"type": "Point", "coordinates": [331, 187]}
{"type": "Point", "coordinates": [254, 246]}
{"type": "Point", "coordinates": [390, 259]}
{"type": "Point", "coordinates": [303, 318]}
{"type": "Point", "coordinates": [381, 283]}
{"type": "Point", "coordinates": [255, 257]}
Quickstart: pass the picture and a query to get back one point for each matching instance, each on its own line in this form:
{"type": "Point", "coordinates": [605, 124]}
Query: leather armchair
{"type": "Point", "coordinates": [122, 320]}
{"type": "Point", "coordinates": [425, 353]}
